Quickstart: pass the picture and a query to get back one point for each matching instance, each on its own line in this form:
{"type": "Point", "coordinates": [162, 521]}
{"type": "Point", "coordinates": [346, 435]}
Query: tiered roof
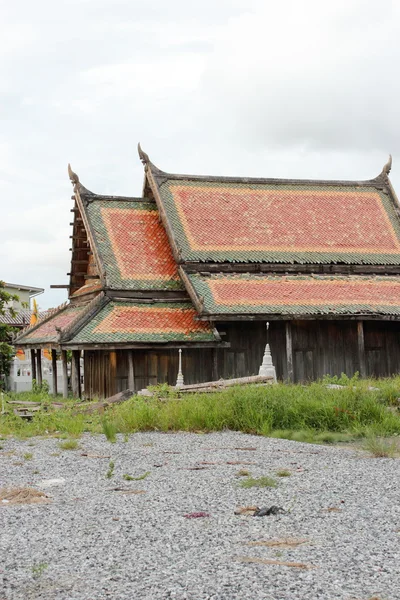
{"type": "Point", "coordinates": [121, 322]}
{"type": "Point", "coordinates": [151, 270]}
{"type": "Point", "coordinates": [131, 243]}
{"type": "Point", "coordinates": [281, 222]}
{"type": "Point", "coordinates": [298, 295]}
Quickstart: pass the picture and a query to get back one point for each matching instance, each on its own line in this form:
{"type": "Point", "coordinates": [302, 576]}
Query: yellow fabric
{"type": "Point", "coordinates": [35, 313]}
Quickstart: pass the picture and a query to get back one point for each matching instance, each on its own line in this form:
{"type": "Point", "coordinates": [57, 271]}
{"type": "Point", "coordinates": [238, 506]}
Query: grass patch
{"type": "Point", "coordinates": [28, 456]}
{"type": "Point", "coordinates": [381, 448]}
{"type": "Point", "coordinates": [243, 473]}
{"type": "Point", "coordinates": [109, 430]}
{"type": "Point", "coordinates": [306, 413]}
{"type": "Point", "coordinates": [283, 473]}
{"type": "Point", "coordinates": [38, 569]}
{"type": "Point", "coordinates": [68, 445]}
{"type": "Point", "coordinates": [110, 471]}
{"type": "Point", "coordinates": [130, 478]}
{"type": "Point", "coordinates": [260, 482]}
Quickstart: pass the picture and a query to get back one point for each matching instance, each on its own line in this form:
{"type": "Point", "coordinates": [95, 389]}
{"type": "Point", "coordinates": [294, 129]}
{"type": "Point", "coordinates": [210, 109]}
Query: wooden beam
{"type": "Point", "coordinates": [146, 346]}
{"type": "Point", "coordinates": [76, 374]}
{"type": "Point", "coordinates": [64, 373]}
{"type": "Point", "coordinates": [289, 351]}
{"type": "Point", "coordinates": [59, 287]}
{"type": "Point", "coordinates": [33, 364]}
{"type": "Point", "coordinates": [361, 348]}
{"type": "Point", "coordinates": [215, 317]}
{"type": "Point", "coordinates": [39, 367]}
{"type": "Point", "coordinates": [54, 370]}
{"type": "Point", "coordinates": [271, 268]}
{"type": "Point", "coordinates": [131, 371]}
{"type": "Point", "coordinates": [149, 295]}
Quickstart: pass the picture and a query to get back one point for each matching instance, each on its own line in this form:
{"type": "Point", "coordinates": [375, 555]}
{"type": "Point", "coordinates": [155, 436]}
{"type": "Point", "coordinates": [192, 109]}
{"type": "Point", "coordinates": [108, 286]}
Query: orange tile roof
{"type": "Point", "coordinates": [298, 294]}
{"type": "Point", "coordinates": [46, 332]}
{"type": "Point", "coordinates": [124, 321]}
{"type": "Point", "coordinates": [133, 245]}
{"type": "Point", "coordinates": [279, 221]}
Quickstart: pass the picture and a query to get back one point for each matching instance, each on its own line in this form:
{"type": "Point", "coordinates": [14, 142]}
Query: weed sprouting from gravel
{"type": "Point", "coordinates": [109, 430]}
{"type": "Point", "coordinates": [243, 473]}
{"type": "Point", "coordinates": [283, 473]}
{"type": "Point", "coordinates": [261, 482]}
{"type": "Point", "coordinates": [130, 478]}
{"type": "Point", "coordinates": [28, 456]}
{"type": "Point", "coordinates": [110, 471]}
{"type": "Point", "coordinates": [38, 569]}
{"type": "Point", "coordinates": [68, 445]}
{"type": "Point", "coordinates": [380, 448]}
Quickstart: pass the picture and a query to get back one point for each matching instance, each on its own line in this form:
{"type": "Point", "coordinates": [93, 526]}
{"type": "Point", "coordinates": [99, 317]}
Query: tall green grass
{"type": "Point", "coordinates": [262, 410]}
{"type": "Point", "coordinates": [307, 413]}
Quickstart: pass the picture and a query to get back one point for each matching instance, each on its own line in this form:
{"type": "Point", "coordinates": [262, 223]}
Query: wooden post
{"type": "Point", "coordinates": [76, 374]}
{"type": "Point", "coordinates": [361, 348]}
{"type": "Point", "coordinates": [131, 372]}
{"type": "Point", "coordinates": [54, 370]}
{"type": "Point", "coordinates": [113, 373]}
{"type": "Point", "coordinates": [289, 351]}
{"type": "Point", "coordinates": [39, 366]}
{"type": "Point", "coordinates": [64, 373]}
{"type": "Point", "coordinates": [33, 364]}
{"type": "Point", "coordinates": [214, 364]}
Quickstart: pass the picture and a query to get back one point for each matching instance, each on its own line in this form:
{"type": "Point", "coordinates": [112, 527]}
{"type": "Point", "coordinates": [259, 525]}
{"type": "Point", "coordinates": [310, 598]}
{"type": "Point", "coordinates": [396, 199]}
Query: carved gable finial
{"type": "Point", "coordinates": [144, 157]}
{"type": "Point", "coordinates": [388, 166]}
{"type": "Point", "coordinates": [73, 176]}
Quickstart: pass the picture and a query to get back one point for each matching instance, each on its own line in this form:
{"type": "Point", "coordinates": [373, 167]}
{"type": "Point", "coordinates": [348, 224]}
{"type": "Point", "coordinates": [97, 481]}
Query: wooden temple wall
{"type": "Point", "coordinates": [318, 348]}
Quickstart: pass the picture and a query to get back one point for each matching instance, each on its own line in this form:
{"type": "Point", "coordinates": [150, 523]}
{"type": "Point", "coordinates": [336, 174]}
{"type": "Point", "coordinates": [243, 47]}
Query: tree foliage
{"type": "Point", "coordinates": [6, 350]}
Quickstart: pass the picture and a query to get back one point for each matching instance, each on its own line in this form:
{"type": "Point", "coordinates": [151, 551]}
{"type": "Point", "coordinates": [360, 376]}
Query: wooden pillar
{"type": "Point", "coordinates": [289, 352]}
{"type": "Point", "coordinates": [361, 348]}
{"type": "Point", "coordinates": [39, 366]}
{"type": "Point", "coordinates": [113, 373]}
{"type": "Point", "coordinates": [76, 374]}
{"type": "Point", "coordinates": [64, 373]}
{"type": "Point", "coordinates": [131, 371]}
{"type": "Point", "coordinates": [54, 370]}
{"type": "Point", "coordinates": [33, 364]}
{"type": "Point", "coordinates": [214, 364]}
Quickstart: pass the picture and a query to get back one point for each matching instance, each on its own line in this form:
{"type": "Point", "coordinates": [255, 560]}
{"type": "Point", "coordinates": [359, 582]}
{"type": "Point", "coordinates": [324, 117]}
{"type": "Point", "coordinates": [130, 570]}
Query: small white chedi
{"type": "Point", "coordinates": [267, 368]}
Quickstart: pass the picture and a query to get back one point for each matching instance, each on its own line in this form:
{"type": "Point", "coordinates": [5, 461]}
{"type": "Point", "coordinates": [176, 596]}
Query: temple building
{"type": "Point", "coordinates": [203, 263]}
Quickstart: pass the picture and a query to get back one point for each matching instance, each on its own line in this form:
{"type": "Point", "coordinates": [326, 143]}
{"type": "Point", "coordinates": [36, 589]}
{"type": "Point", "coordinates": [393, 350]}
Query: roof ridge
{"type": "Point", "coordinates": [91, 308]}
{"type": "Point", "coordinates": [379, 180]}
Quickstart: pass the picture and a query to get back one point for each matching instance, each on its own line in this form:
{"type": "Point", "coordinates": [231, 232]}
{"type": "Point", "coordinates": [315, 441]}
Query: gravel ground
{"type": "Point", "coordinates": [92, 542]}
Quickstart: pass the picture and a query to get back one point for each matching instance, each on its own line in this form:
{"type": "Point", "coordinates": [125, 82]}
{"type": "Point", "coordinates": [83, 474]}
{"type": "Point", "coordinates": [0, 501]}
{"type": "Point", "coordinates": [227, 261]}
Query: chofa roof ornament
{"type": "Point", "coordinates": [73, 176]}
{"type": "Point", "coordinates": [388, 166]}
{"type": "Point", "coordinates": [78, 187]}
{"type": "Point", "coordinates": [144, 157]}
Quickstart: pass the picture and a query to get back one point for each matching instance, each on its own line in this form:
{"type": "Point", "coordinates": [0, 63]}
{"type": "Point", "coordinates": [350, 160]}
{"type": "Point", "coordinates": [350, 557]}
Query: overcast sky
{"type": "Point", "coordinates": [221, 87]}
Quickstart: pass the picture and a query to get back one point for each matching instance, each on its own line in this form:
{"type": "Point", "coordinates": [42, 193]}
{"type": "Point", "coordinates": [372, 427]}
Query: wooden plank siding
{"type": "Point", "coordinates": [319, 348]}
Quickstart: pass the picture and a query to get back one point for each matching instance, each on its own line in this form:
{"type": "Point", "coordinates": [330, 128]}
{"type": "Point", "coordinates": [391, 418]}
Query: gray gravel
{"type": "Point", "coordinates": [92, 542]}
